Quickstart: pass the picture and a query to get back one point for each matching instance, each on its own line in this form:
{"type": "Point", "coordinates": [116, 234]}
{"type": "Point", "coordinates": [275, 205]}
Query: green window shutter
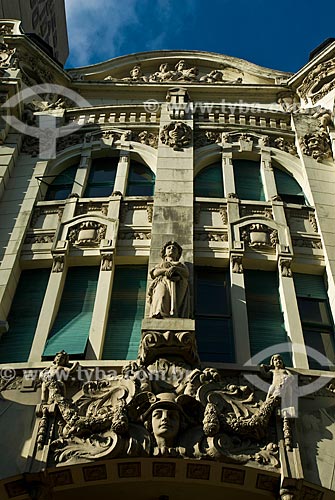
{"type": "Point", "coordinates": [209, 182]}
{"type": "Point", "coordinates": [213, 323]}
{"type": "Point", "coordinates": [265, 318]}
{"type": "Point", "coordinates": [15, 344]}
{"type": "Point", "coordinates": [102, 177]}
{"type": "Point", "coordinates": [123, 332]}
{"type": "Point", "coordinates": [310, 286]}
{"type": "Point", "coordinates": [248, 181]}
{"type": "Point", "coordinates": [62, 185]}
{"type": "Point", "coordinates": [288, 188]}
{"type": "Point", "coordinates": [72, 324]}
{"type": "Point", "coordinates": [141, 180]}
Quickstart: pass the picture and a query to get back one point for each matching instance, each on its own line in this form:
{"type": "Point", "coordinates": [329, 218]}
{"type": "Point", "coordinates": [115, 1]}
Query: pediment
{"type": "Point", "coordinates": [189, 67]}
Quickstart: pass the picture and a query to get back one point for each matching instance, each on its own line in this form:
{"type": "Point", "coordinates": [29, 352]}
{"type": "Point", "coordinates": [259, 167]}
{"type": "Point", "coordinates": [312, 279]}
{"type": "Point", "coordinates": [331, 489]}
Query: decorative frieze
{"type": "Point", "coordinates": [210, 236]}
{"type": "Point", "coordinates": [180, 72]}
{"type": "Point", "coordinates": [284, 144]}
{"type": "Point", "coordinates": [33, 238]}
{"type": "Point", "coordinates": [307, 242]}
{"type": "Point", "coordinates": [134, 235]}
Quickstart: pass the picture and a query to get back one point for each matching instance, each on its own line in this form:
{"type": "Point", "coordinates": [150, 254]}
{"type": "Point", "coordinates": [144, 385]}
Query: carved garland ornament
{"type": "Point", "coordinates": [122, 416]}
{"type": "Point", "coordinates": [260, 236]}
{"type": "Point", "coordinates": [177, 135]}
{"type": "Point", "coordinates": [87, 234]}
{"type": "Point", "coordinates": [319, 82]}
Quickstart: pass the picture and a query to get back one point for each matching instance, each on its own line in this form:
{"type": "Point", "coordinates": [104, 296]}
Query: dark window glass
{"type": "Point", "coordinates": [209, 182]}
{"type": "Point", "coordinates": [265, 317]}
{"type": "Point", "coordinates": [123, 331]}
{"type": "Point", "coordinates": [15, 344]}
{"type": "Point", "coordinates": [288, 188]}
{"type": "Point", "coordinates": [62, 185]}
{"type": "Point", "coordinates": [101, 178]}
{"type": "Point", "coordinates": [141, 180]}
{"type": "Point", "coordinates": [315, 317]}
{"type": "Point", "coordinates": [72, 324]}
{"type": "Point", "coordinates": [213, 316]}
{"type": "Point", "coordinates": [248, 181]}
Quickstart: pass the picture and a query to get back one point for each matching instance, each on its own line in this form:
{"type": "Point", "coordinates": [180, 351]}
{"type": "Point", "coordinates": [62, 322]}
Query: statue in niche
{"type": "Point", "coordinates": [169, 293]}
{"type": "Point", "coordinates": [53, 378]}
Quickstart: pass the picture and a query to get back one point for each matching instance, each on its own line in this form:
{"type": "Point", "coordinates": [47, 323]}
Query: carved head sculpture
{"type": "Point", "coordinates": [171, 249]}
{"type": "Point", "coordinates": [61, 359]}
{"type": "Point", "coordinates": [166, 417]}
{"type": "Point", "coordinates": [276, 362]}
{"type": "Point", "coordinates": [136, 71]}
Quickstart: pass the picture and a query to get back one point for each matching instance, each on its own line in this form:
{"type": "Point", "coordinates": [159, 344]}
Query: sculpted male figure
{"type": "Point", "coordinates": [169, 294]}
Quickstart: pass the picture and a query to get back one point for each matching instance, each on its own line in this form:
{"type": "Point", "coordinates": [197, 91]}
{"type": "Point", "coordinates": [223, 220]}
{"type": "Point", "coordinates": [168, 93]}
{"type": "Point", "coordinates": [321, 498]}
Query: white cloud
{"type": "Point", "coordinates": [94, 27]}
{"type": "Point", "coordinates": [98, 28]}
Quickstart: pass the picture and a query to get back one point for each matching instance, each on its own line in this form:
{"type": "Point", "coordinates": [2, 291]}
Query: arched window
{"type": "Point", "coordinates": [62, 185]}
{"type": "Point", "coordinates": [102, 177]}
{"type": "Point", "coordinates": [141, 180]}
{"type": "Point", "coordinates": [248, 181]}
{"type": "Point", "coordinates": [288, 188]}
{"type": "Point", "coordinates": [209, 182]}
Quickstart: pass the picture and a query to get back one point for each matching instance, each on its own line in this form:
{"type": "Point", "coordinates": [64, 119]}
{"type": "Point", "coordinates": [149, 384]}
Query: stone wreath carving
{"type": "Point", "coordinates": [177, 135]}
{"type": "Point", "coordinates": [179, 73]}
{"type": "Point", "coordinates": [87, 234]}
{"type": "Point", "coordinates": [260, 236]}
{"type": "Point", "coordinates": [165, 409]}
{"type": "Point", "coordinates": [319, 82]}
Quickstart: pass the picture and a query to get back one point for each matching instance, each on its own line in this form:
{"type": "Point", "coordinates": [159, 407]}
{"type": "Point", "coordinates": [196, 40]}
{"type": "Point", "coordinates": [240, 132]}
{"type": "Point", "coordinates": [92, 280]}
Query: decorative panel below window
{"type": "Point", "coordinates": [265, 317]}
{"type": "Point", "coordinates": [315, 316]}
{"type": "Point", "coordinates": [15, 344]}
{"type": "Point", "coordinates": [123, 332]}
{"type": "Point", "coordinates": [72, 324]}
{"type": "Point", "coordinates": [213, 324]}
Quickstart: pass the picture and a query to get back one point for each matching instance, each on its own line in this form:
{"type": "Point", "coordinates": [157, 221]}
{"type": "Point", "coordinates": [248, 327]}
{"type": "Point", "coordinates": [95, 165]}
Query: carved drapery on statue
{"type": "Point", "coordinates": [166, 409]}
{"type": "Point", "coordinates": [169, 294]}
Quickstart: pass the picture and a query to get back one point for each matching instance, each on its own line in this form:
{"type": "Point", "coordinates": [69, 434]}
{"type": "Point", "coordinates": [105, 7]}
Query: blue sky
{"type": "Point", "coordinates": [278, 35]}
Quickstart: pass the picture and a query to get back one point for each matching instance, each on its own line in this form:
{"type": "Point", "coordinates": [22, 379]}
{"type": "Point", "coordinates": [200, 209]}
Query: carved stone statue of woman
{"type": "Point", "coordinates": [169, 294]}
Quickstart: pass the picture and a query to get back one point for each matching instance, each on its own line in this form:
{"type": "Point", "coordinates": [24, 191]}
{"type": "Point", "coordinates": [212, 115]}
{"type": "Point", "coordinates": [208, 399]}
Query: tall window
{"type": "Point", "coordinates": [62, 185]}
{"type": "Point", "coordinates": [248, 181]}
{"type": "Point", "coordinates": [15, 344]}
{"type": "Point", "coordinates": [209, 182]}
{"type": "Point", "coordinates": [123, 332]}
{"type": "Point", "coordinates": [265, 317]}
{"type": "Point", "coordinates": [288, 188]}
{"type": "Point", "coordinates": [213, 316]}
{"type": "Point", "coordinates": [72, 324]}
{"type": "Point", "coordinates": [101, 178]}
{"type": "Point", "coordinates": [315, 316]}
{"type": "Point", "coordinates": [141, 180]}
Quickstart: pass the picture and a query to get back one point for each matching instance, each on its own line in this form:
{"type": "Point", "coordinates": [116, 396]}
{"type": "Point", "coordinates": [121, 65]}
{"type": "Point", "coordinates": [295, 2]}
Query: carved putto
{"type": "Point", "coordinates": [169, 294]}
{"type": "Point", "coordinates": [177, 135]}
{"type": "Point", "coordinates": [87, 234]}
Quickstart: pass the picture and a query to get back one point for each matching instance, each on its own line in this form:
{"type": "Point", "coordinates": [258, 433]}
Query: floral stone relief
{"type": "Point", "coordinates": [165, 409]}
